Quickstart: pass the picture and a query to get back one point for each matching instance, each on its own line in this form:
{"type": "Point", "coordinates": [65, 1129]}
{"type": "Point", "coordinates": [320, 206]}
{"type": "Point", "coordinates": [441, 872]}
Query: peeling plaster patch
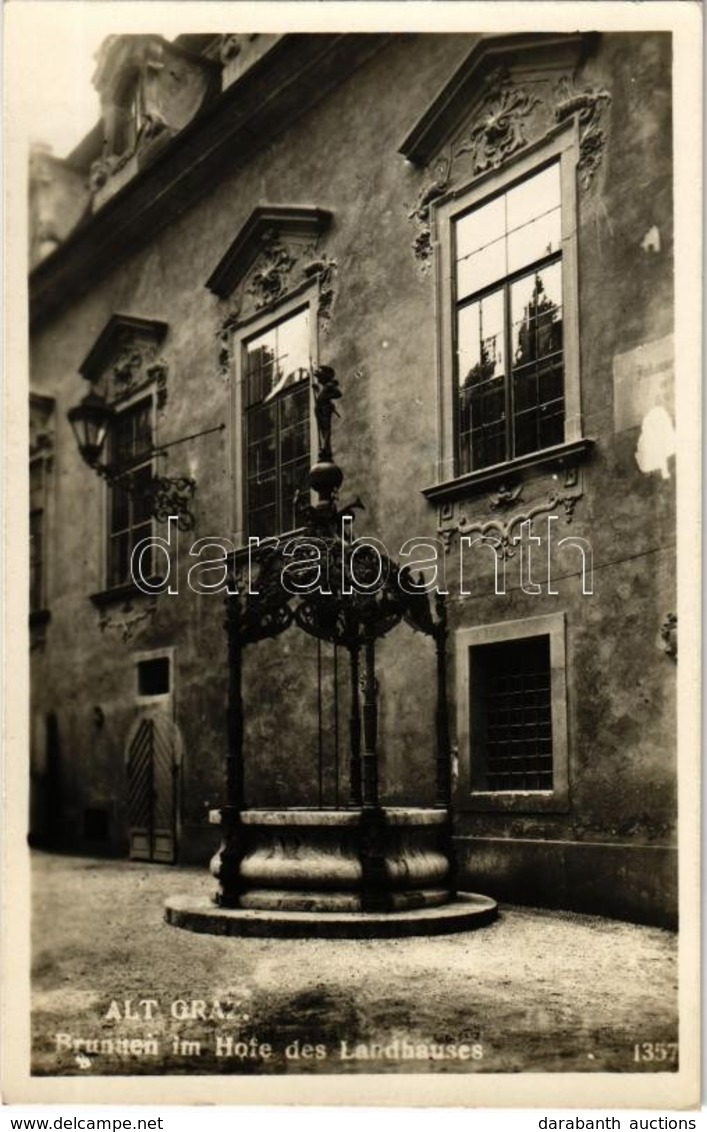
{"type": "Point", "coordinates": [656, 444]}
{"type": "Point", "coordinates": [643, 380]}
{"type": "Point", "coordinates": [651, 240]}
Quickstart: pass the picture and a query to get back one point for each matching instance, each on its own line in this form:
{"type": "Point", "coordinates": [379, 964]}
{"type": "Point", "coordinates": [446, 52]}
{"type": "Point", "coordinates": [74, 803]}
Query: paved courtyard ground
{"type": "Point", "coordinates": [114, 988]}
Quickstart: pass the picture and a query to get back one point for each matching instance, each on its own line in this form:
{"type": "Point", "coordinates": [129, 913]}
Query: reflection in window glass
{"type": "Point", "coordinates": [482, 414]}
{"type": "Point", "coordinates": [533, 198]}
{"type": "Point", "coordinates": [129, 510]}
{"type": "Point", "coordinates": [277, 424]}
{"type": "Point", "coordinates": [538, 394]}
{"type": "Point", "coordinates": [509, 306]}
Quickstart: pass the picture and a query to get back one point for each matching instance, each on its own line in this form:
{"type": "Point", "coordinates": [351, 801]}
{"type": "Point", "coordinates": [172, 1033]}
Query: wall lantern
{"type": "Point", "coordinates": [90, 420]}
{"type": "Point", "coordinates": [162, 496]}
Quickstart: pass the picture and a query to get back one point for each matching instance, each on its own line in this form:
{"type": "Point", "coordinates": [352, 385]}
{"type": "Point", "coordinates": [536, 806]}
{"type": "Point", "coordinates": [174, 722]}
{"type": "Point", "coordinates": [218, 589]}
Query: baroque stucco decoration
{"type": "Point", "coordinates": [276, 252]}
{"type": "Point", "coordinates": [126, 358]}
{"type": "Point", "coordinates": [455, 521]}
{"type": "Point", "coordinates": [499, 131]}
{"type": "Point", "coordinates": [509, 93]}
{"type": "Point", "coordinates": [129, 622]}
{"type": "Point", "coordinates": [588, 105]}
{"type": "Point", "coordinates": [669, 635]}
{"type": "Point", "coordinates": [420, 212]}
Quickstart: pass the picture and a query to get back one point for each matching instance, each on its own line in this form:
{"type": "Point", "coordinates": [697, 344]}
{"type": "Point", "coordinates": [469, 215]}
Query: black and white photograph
{"type": "Point", "coordinates": [353, 426]}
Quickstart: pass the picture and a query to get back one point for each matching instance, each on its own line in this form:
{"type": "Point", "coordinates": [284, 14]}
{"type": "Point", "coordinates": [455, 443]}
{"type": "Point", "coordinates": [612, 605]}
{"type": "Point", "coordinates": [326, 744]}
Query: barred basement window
{"type": "Point", "coordinates": [513, 713]}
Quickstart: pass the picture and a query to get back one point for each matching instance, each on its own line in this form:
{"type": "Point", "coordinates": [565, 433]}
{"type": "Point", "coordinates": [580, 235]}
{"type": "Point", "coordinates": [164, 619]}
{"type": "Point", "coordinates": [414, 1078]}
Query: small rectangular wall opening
{"type": "Point", "coordinates": [153, 677]}
{"type": "Point", "coordinates": [96, 823]}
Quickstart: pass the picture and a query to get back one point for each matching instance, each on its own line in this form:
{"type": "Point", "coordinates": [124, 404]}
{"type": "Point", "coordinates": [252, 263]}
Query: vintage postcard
{"type": "Point", "coordinates": [353, 427]}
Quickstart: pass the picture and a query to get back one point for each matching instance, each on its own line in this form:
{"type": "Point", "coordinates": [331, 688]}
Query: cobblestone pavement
{"type": "Point", "coordinates": [537, 990]}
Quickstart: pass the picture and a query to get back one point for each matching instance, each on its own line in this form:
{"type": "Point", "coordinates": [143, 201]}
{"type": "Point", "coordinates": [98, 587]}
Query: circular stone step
{"type": "Point", "coordinates": [198, 914]}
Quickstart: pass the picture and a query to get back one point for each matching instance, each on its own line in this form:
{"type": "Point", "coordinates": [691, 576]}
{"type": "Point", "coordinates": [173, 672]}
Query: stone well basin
{"type": "Point", "coordinates": [307, 860]}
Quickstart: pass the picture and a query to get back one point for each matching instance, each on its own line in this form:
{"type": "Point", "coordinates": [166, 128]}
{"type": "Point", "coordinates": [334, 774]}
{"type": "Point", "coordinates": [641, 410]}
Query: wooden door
{"type": "Point", "coordinates": [152, 766]}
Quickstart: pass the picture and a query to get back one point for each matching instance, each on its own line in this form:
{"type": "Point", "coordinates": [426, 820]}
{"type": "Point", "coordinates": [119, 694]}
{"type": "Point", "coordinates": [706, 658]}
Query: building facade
{"type": "Point", "coordinates": [476, 233]}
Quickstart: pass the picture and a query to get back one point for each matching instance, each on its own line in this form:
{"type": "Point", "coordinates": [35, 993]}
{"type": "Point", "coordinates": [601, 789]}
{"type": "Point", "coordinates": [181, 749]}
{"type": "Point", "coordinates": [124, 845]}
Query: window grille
{"type": "Point", "coordinates": [514, 715]}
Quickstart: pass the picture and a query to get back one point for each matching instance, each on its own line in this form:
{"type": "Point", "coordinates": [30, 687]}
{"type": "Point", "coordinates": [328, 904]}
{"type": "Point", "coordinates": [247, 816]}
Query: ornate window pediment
{"type": "Point", "coordinates": [276, 251]}
{"type": "Point", "coordinates": [511, 92]}
{"type": "Point", "coordinates": [125, 358]}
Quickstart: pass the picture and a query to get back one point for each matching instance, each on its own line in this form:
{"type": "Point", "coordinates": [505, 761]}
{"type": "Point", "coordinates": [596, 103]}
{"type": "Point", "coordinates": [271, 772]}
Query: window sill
{"type": "Point", "coordinates": [39, 617]}
{"type": "Point", "coordinates": [516, 801]}
{"type": "Point", "coordinates": [476, 482]}
{"type": "Point", "coordinates": [122, 593]}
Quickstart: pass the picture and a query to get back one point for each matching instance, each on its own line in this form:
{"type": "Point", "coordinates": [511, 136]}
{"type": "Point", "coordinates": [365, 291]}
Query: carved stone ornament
{"type": "Point", "coordinates": [269, 280]}
{"type": "Point", "coordinates": [499, 129]}
{"type": "Point", "coordinates": [420, 211]}
{"type": "Point", "coordinates": [137, 365]}
{"type": "Point", "coordinates": [129, 621]}
{"type": "Point", "coordinates": [505, 497]}
{"type": "Point", "coordinates": [41, 431]}
{"type": "Point", "coordinates": [588, 105]}
{"type": "Point", "coordinates": [126, 358]}
{"type": "Point", "coordinates": [453, 521]}
{"type": "Point", "coordinates": [669, 635]}
{"type": "Point", "coordinates": [230, 47]}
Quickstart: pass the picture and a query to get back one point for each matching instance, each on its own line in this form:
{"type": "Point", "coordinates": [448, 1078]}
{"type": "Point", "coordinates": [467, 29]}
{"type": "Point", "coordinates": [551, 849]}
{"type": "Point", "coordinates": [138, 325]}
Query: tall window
{"type": "Point", "coordinates": [37, 599]}
{"type": "Point", "coordinates": [129, 511]}
{"type": "Point", "coordinates": [277, 365]}
{"type": "Point", "coordinates": [508, 323]}
{"type": "Point", "coordinates": [507, 288]}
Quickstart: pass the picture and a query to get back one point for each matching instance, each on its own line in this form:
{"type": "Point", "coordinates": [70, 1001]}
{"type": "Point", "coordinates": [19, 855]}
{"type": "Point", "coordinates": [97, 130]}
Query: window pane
{"type": "Point", "coordinates": [278, 427]}
{"type": "Point", "coordinates": [482, 398]}
{"type": "Point", "coordinates": [536, 314]}
{"type": "Point", "coordinates": [142, 437]}
{"type": "Point", "coordinates": [534, 241]}
{"type": "Point", "coordinates": [119, 559]}
{"type": "Point", "coordinates": [261, 423]}
{"type": "Point", "coordinates": [481, 268]}
{"type": "Point", "coordinates": [278, 358]}
{"type": "Point", "coordinates": [483, 226]}
{"type": "Point", "coordinates": [132, 433]}
{"type": "Point", "coordinates": [260, 367]}
{"type": "Point", "coordinates": [534, 219]}
{"type": "Point", "coordinates": [534, 197]}
{"type": "Point", "coordinates": [293, 345]}
{"type": "Point", "coordinates": [538, 390]}
{"type": "Point", "coordinates": [130, 500]}
{"type": "Point", "coordinates": [141, 482]}
{"type": "Point", "coordinates": [294, 481]}
{"type": "Point", "coordinates": [480, 340]}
